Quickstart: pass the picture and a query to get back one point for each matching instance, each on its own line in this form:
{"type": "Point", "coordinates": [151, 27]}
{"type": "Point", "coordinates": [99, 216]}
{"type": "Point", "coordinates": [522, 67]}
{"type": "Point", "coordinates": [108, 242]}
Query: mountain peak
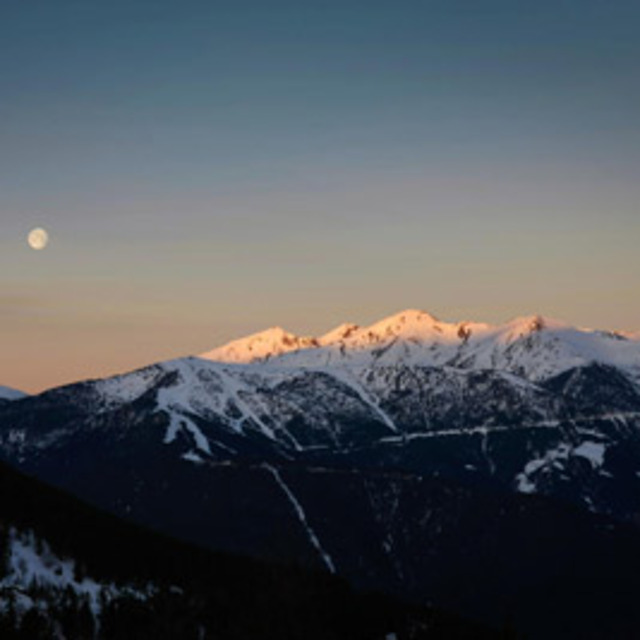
{"type": "Point", "coordinates": [408, 322]}
{"type": "Point", "coordinates": [7, 393]}
{"type": "Point", "coordinates": [412, 316]}
{"type": "Point", "coordinates": [526, 325]}
{"type": "Point", "coordinates": [260, 346]}
{"type": "Point", "coordinates": [341, 332]}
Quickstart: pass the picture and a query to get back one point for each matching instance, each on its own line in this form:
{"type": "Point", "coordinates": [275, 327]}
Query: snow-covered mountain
{"type": "Point", "coordinates": [260, 346]}
{"type": "Point", "coordinates": [7, 393]}
{"type": "Point", "coordinates": [557, 394]}
{"type": "Point", "coordinates": [322, 450]}
{"type": "Point", "coordinates": [532, 347]}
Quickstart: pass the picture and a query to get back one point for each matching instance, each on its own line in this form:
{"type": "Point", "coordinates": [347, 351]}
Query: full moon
{"type": "Point", "coordinates": [38, 239]}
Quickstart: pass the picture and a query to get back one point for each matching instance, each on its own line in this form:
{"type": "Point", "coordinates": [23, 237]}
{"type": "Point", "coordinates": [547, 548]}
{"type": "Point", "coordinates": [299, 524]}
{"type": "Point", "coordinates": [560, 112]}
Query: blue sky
{"type": "Point", "coordinates": [210, 168]}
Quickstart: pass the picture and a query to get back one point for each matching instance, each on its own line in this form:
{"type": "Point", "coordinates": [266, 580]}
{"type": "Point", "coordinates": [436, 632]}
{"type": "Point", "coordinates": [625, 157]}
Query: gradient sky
{"type": "Point", "coordinates": [209, 169]}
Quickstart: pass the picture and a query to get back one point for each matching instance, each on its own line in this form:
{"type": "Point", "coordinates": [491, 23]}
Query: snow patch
{"type": "Point", "coordinates": [592, 451]}
{"type": "Point", "coordinates": [192, 456]}
{"type": "Point", "coordinates": [174, 401]}
{"type": "Point", "coordinates": [556, 458]}
{"type": "Point", "coordinates": [33, 564]}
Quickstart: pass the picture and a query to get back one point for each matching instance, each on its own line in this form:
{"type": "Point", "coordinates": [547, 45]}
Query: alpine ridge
{"type": "Point", "coordinates": [534, 346]}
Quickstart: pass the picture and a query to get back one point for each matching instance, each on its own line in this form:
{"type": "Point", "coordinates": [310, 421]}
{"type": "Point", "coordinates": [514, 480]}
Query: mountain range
{"type": "Point", "coordinates": [492, 470]}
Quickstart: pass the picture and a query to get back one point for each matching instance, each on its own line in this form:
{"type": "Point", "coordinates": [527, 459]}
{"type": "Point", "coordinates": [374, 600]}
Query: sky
{"type": "Point", "coordinates": [211, 169]}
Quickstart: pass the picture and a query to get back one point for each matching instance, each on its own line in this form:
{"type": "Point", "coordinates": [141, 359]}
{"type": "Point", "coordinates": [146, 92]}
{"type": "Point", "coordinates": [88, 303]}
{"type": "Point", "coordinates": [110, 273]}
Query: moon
{"type": "Point", "coordinates": [38, 239]}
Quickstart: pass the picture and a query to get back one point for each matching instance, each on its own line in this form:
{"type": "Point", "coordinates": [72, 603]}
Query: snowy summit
{"type": "Point", "coordinates": [533, 346]}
